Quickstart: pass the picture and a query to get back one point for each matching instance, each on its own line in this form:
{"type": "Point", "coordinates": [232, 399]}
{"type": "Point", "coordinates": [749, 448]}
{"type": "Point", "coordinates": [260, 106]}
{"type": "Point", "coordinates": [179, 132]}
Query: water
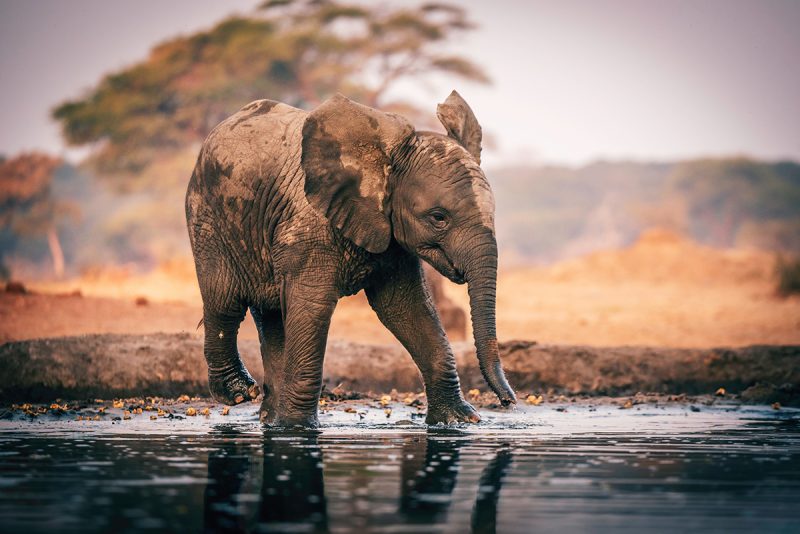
{"type": "Point", "coordinates": [538, 469]}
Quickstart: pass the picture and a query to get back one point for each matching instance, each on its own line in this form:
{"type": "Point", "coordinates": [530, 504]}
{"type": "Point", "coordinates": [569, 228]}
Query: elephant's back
{"type": "Point", "coordinates": [247, 178]}
{"type": "Point", "coordinates": [252, 156]}
{"type": "Point", "coordinates": [261, 141]}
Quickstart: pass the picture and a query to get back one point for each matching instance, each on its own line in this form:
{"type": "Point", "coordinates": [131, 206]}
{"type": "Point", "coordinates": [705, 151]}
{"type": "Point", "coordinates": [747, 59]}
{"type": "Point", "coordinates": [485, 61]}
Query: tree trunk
{"type": "Point", "coordinates": [56, 253]}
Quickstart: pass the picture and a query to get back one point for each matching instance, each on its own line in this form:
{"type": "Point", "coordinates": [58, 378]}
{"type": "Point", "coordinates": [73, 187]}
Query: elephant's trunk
{"type": "Point", "coordinates": [481, 275]}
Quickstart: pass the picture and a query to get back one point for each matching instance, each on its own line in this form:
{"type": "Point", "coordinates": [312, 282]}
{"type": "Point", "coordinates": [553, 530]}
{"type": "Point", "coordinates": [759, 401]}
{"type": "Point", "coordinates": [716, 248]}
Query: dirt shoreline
{"type": "Point", "coordinates": [117, 365]}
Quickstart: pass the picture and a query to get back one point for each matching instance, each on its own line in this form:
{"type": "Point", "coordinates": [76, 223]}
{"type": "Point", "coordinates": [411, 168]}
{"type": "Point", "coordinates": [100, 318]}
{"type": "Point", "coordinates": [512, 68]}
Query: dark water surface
{"type": "Point", "coordinates": [535, 470]}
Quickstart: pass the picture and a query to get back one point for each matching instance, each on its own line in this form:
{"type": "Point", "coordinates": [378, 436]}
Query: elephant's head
{"type": "Point", "coordinates": [376, 179]}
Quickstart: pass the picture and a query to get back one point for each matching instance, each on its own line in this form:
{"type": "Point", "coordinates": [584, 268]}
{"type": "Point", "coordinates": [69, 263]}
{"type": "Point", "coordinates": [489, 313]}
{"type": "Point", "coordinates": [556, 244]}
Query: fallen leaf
{"type": "Point", "coordinates": [153, 417]}
{"type": "Point", "coordinates": [388, 412]}
{"type": "Point", "coordinates": [119, 404]}
{"type": "Point", "coordinates": [534, 400]}
{"type": "Point", "coordinates": [205, 411]}
{"type": "Point", "coordinates": [225, 410]}
{"type": "Point", "coordinates": [191, 412]}
{"type": "Point", "coordinates": [184, 398]}
{"type": "Point", "coordinates": [720, 392]}
{"type": "Point", "coordinates": [386, 399]}
{"type": "Point", "coordinates": [126, 415]}
{"type": "Point", "coordinates": [474, 393]}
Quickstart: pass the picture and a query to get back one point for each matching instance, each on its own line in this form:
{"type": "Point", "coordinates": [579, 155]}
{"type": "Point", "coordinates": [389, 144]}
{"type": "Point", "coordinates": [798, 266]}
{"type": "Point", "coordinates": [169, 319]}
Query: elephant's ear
{"type": "Point", "coordinates": [346, 158]}
{"type": "Point", "coordinates": [461, 124]}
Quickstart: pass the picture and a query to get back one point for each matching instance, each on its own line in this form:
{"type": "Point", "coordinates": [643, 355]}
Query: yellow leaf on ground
{"type": "Point", "coordinates": [534, 400]}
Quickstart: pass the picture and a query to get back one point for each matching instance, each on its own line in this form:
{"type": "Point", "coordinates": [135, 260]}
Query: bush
{"type": "Point", "coordinates": [787, 271]}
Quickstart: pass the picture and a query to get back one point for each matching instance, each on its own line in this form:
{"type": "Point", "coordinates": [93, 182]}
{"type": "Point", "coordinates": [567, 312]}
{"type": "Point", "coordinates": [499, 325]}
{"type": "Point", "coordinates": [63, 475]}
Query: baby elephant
{"type": "Point", "coordinates": [290, 210]}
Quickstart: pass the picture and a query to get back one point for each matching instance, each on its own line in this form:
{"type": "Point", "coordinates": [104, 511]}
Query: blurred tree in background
{"type": "Point", "coordinates": [28, 210]}
{"type": "Point", "coordinates": [295, 51]}
{"type": "Point", "coordinates": [144, 124]}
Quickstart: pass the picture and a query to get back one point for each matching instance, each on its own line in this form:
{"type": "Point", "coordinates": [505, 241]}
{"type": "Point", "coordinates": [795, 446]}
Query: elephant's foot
{"type": "Point", "coordinates": [232, 386]}
{"type": "Point", "coordinates": [275, 419]}
{"type": "Point", "coordinates": [456, 411]}
{"type": "Point", "coordinates": [272, 415]}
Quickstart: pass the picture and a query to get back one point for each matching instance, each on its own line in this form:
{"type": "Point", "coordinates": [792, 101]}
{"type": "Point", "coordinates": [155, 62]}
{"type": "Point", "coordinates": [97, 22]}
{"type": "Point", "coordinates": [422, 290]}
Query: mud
{"type": "Point", "coordinates": [110, 365]}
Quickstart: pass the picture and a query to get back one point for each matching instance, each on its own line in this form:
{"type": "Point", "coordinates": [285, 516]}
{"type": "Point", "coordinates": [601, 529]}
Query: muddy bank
{"type": "Point", "coordinates": [111, 365]}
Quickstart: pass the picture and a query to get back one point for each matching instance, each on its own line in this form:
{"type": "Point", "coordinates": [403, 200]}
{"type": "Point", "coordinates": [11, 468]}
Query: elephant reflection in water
{"type": "Point", "coordinates": [429, 470]}
{"type": "Point", "coordinates": [228, 468]}
{"type": "Point", "coordinates": [293, 492]}
{"type": "Point", "coordinates": [484, 512]}
{"type": "Point", "coordinates": [292, 489]}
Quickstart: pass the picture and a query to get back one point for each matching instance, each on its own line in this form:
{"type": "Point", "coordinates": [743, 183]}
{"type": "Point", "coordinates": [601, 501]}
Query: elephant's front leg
{"type": "Point", "coordinates": [403, 304]}
{"type": "Point", "coordinates": [307, 308]}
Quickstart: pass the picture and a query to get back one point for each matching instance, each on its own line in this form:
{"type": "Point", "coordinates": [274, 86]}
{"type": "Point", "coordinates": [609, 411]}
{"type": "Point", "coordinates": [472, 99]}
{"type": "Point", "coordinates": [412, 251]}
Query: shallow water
{"type": "Point", "coordinates": [536, 469]}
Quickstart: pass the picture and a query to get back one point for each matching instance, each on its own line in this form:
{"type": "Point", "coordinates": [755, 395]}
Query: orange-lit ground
{"type": "Point", "coordinates": [663, 291]}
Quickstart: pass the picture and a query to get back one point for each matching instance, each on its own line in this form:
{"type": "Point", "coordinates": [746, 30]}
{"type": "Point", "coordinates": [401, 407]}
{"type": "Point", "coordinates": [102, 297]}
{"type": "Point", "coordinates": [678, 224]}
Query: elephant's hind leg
{"type": "Point", "coordinates": [228, 378]}
{"type": "Point", "coordinates": [271, 335]}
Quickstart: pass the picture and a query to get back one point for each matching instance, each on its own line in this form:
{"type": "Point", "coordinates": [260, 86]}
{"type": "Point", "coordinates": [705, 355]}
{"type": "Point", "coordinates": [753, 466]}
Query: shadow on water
{"type": "Point", "coordinates": [240, 478]}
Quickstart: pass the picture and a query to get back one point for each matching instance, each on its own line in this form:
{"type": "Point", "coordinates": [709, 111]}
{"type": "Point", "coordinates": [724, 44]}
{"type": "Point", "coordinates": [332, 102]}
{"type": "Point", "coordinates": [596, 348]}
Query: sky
{"type": "Point", "coordinates": [573, 82]}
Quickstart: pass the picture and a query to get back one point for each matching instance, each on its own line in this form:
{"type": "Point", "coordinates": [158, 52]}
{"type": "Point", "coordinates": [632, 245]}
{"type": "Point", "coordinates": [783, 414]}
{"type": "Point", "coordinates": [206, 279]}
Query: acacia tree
{"type": "Point", "coordinates": [295, 51]}
{"type": "Point", "coordinates": [27, 208]}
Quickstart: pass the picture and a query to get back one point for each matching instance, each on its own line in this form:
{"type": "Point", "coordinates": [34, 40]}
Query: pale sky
{"type": "Point", "coordinates": [573, 81]}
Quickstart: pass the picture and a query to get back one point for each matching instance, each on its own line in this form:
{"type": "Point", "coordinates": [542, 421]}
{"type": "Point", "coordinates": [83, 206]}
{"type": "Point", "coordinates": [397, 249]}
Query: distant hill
{"type": "Point", "coordinates": [550, 213]}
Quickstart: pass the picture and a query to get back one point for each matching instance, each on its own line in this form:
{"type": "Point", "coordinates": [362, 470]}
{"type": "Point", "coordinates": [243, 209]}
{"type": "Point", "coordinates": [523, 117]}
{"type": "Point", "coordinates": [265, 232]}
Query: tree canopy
{"type": "Point", "coordinates": [296, 51]}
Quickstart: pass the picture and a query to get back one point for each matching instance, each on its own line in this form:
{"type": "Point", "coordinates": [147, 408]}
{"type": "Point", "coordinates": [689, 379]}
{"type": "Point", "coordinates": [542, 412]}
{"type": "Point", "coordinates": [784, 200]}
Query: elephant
{"type": "Point", "coordinates": [289, 210]}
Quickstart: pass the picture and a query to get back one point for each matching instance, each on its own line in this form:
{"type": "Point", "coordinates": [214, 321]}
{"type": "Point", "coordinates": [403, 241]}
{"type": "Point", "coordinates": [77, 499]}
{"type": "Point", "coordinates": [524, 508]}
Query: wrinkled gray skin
{"type": "Point", "coordinates": [289, 210]}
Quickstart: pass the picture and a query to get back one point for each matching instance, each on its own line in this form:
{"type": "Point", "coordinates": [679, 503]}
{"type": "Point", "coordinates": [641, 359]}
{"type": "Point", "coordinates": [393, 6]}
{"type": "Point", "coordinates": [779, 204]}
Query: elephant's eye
{"type": "Point", "coordinates": [438, 219]}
